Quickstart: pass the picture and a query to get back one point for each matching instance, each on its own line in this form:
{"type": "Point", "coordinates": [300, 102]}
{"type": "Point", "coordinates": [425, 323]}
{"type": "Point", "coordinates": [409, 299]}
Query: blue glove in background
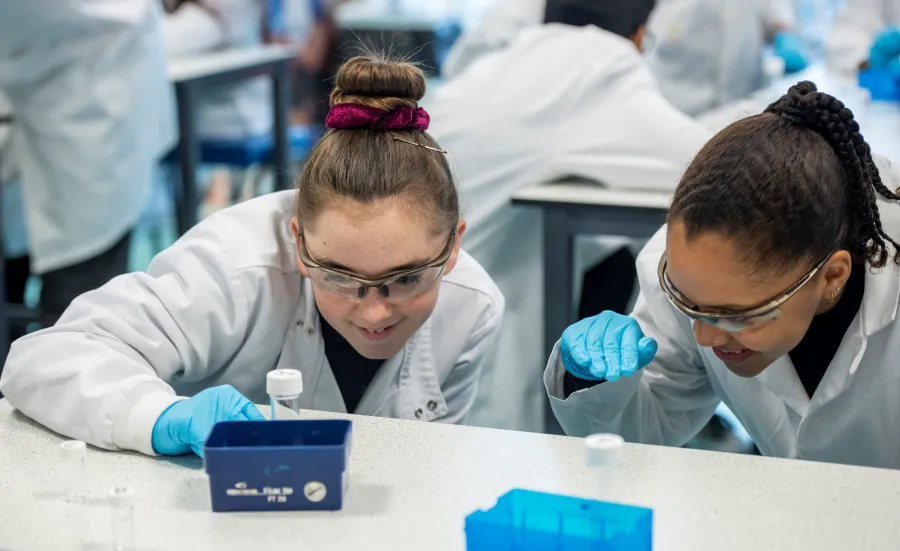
{"type": "Point", "coordinates": [186, 425]}
{"type": "Point", "coordinates": [605, 347]}
{"type": "Point", "coordinates": [790, 48]}
{"type": "Point", "coordinates": [885, 52]}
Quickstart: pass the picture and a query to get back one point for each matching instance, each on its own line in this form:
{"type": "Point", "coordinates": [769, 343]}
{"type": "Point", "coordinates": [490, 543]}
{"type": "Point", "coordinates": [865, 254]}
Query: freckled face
{"type": "Point", "coordinates": [370, 241]}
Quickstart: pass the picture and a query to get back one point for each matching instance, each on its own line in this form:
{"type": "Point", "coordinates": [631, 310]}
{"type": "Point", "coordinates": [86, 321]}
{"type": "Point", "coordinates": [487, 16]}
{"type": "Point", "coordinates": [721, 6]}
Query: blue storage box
{"type": "Point", "coordinates": [278, 465]}
{"type": "Point", "coordinates": [882, 85]}
{"type": "Point", "coordinates": [532, 521]}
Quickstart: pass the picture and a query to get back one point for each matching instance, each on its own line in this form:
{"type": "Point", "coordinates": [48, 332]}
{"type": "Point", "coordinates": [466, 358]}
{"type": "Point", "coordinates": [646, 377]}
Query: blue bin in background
{"type": "Point", "coordinates": [882, 85]}
{"type": "Point", "coordinates": [278, 465]}
{"type": "Point", "coordinates": [532, 521]}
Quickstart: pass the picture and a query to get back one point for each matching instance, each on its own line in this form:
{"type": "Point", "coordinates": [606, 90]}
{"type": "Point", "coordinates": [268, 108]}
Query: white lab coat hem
{"type": "Point", "coordinates": [133, 428]}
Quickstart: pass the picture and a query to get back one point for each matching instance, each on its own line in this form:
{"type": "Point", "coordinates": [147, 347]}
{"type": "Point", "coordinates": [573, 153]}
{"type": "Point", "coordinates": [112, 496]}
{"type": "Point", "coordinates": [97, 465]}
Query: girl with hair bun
{"type": "Point", "coordinates": [356, 279]}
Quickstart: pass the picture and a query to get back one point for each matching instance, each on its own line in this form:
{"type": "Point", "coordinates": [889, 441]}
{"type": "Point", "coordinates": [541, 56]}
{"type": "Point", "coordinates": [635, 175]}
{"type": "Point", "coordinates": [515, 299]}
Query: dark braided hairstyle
{"type": "Point", "coordinates": [792, 184]}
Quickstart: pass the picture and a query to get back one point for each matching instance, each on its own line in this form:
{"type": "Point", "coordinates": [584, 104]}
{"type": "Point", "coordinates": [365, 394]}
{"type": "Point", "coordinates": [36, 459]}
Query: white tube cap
{"type": "Point", "coordinates": [121, 496]}
{"type": "Point", "coordinates": [603, 450]}
{"type": "Point", "coordinates": [73, 449]}
{"type": "Point", "coordinates": [284, 382]}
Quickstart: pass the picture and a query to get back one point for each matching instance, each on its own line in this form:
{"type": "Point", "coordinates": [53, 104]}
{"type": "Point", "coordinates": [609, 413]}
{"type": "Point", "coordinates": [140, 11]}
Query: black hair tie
{"type": "Point", "coordinates": [794, 115]}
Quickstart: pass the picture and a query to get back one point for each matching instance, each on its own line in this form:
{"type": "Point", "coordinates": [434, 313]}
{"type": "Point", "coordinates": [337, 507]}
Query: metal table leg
{"type": "Point", "coordinates": [559, 260]}
{"type": "Point", "coordinates": [281, 90]}
{"type": "Point", "coordinates": [188, 157]}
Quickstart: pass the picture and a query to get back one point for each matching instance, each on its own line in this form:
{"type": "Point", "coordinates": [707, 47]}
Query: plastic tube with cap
{"type": "Point", "coordinates": [603, 455]}
{"type": "Point", "coordinates": [284, 387]}
{"type": "Point", "coordinates": [72, 477]}
{"type": "Point", "coordinates": [121, 503]}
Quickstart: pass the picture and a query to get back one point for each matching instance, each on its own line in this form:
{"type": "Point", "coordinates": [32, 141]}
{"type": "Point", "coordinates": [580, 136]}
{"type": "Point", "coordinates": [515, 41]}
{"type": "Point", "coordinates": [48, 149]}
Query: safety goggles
{"type": "Point", "coordinates": [395, 287]}
{"type": "Point", "coordinates": [734, 322]}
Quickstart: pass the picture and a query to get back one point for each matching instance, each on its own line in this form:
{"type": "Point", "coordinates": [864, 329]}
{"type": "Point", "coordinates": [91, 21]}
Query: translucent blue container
{"type": "Point", "coordinates": [278, 465]}
{"type": "Point", "coordinates": [882, 85]}
{"type": "Point", "coordinates": [532, 521]}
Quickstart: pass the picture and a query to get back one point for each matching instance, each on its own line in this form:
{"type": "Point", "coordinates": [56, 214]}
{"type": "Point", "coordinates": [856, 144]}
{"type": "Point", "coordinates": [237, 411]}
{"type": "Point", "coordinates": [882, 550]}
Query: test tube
{"type": "Point", "coordinates": [284, 387]}
{"type": "Point", "coordinates": [72, 472]}
{"type": "Point", "coordinates": [603, 454]}
{"type": "Point", "coordinates": [121, 504]}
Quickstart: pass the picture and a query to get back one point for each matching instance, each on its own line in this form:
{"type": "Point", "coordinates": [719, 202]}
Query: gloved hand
{"type": "Point", "coordinates": [186, 425]}
{"type": "Point", "coordinates": [790, 48]}
{"type": "Point", "coordinates": [885, 52]}
{"type": "Point", "coordinates": [605, 347]}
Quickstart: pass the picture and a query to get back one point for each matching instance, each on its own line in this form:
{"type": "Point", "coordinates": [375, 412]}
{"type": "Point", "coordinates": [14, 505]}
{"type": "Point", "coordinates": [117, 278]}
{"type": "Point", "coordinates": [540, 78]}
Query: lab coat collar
{"type": "Point", "coordinates": [882, 294]}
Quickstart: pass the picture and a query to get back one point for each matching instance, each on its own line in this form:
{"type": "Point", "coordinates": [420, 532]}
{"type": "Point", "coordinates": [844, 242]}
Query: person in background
{"type": "Point", "coordinates": [93, 113]}
{"type": "Point", "coordinates": [232, 111]}
{"type": "Point", "coordinates": [356, 279]}
{"type": "Point", "coordinates": [866, 34]}
{"type": "Point", "coordinates": [775, 288]}
{"type": "Point", "coordinates": [708, 53]}
{"type": "Point", "coordinates": [571, 97]}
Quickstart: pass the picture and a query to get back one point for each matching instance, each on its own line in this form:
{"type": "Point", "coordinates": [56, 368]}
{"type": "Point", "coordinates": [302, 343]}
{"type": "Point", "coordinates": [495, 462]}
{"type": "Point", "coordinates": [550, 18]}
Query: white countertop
{"type": "Point", "coordinates": [198, 66]}
{"type": "Point", "coordinates": [412, 484]}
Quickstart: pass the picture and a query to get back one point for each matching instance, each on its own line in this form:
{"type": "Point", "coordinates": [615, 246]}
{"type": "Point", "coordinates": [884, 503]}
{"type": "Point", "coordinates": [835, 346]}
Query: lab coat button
{"type": "Point", "coordinates": [432, 405]}
{"type": "Point", "coordinates": [419, 413]}
{"type": "Point", "coordinates": [310, 331]}
{"type": "Point", "coordinates": [299, 323]}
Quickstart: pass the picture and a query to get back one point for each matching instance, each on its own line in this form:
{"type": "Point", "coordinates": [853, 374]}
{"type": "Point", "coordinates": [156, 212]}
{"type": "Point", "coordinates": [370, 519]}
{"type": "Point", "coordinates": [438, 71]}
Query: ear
{"type": "Point", "coordinates": [454, 256]}
{"type": "Point", "coordinates": [836, 272]}
{"type": "Point", "coordinates": [295, 236]}
{"type": "Point", "coordinates": [638, 37]}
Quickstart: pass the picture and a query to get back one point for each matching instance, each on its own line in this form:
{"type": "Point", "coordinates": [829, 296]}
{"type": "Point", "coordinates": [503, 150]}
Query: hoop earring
{"type": "Point", "coordinates": [830, 301]}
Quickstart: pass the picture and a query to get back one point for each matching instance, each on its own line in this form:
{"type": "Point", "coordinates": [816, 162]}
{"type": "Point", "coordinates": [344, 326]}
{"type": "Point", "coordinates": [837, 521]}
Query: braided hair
{"type": "Point", "coordinates": [794, 183]}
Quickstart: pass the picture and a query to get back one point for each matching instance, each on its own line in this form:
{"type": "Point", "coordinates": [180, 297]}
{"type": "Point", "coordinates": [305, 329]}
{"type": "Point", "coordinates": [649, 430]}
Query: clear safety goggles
{"type": "Point", "coordinates": [734, 322]}
{"type": "Point", "coordinates": [395, 287]}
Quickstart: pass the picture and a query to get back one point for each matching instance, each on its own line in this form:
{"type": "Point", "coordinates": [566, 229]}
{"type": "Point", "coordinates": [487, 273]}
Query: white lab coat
{"type": "Point", "coordinates": [852, 417]}
{"type": "Point", "coordinates": [855, 29]}
{"type": "Point", "coordinates": [94, 112]}
{"type": "Point", "coordinates": [230, 111]}
{"type": "Point", "coordinates": [225, 305]}
{"type": "Point", "coordinates": [519, 117]}
{"type": "Point", "coordinates": [710, 52]}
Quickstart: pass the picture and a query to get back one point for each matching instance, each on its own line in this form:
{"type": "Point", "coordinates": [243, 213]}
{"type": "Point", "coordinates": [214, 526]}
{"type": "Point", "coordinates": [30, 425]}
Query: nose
{"type": "Point", "coordinates": [374, 309]}
{"type": "Point", "coordinates": [709, 336]}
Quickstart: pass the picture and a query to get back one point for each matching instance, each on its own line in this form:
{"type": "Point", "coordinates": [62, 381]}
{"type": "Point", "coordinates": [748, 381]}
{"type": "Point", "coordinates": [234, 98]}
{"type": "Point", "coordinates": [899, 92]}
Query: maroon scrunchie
{"type": "Point", "coordinates": [353, 115]}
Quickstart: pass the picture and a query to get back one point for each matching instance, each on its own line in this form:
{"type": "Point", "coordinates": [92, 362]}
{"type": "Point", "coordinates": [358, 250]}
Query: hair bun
{"type": "Point", "coordinates": [378, 81]}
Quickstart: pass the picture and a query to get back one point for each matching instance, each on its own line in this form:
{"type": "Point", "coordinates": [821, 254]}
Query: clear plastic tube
{"type": "Point", "coordinates": [285, 407]}
{"type": "Point", "coordinates": [122, 518]}
{"type": "Point", "coordinates": [72, 476]}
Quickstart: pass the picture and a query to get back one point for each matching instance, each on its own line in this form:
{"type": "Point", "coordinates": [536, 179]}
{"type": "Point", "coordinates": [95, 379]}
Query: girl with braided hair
{"type": "Point", "coordinates": [774, 288]}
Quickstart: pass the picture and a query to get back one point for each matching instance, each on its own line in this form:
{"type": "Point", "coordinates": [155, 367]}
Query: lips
{"type": "Point", "coordinates": [376, 333]}
{"type": "Point", "coordinates": [733, 356]}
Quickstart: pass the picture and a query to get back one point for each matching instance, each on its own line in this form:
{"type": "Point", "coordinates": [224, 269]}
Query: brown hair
{"type": "Point", "coordinates": [790, 185]}
{"type": "Point", "coordinates": [369, 165]}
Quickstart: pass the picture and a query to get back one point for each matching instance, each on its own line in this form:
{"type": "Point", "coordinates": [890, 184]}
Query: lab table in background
{"type": "Point", "coordinates": [573, 208]}
{"type": "Point", "coordinates": [413, 483]}
{"type": "Point", "coordinates": [190, 74]}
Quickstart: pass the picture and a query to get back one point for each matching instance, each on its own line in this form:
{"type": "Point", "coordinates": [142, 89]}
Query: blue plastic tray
{"type": "Point", "coordinates": [882, 85]}
{"type": "Point", "coordinates": [532, 521]}
{"type": "Point", "coordinates": [278, 465]}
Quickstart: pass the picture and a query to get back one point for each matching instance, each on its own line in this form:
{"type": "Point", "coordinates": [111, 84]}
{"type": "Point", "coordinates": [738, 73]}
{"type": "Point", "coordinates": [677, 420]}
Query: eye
{"type": "Point", "coordinates": [409, 280]}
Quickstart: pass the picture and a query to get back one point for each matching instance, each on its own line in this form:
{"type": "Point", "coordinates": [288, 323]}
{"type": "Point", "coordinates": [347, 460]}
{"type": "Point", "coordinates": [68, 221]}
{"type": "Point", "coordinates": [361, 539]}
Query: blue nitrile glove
{"type": "Point", "coordinates": [790, 48]}
{"type": "Point", "coordinates": [605, 347]}
{"type": "Point", "coordinates": [186, 425]}
{"type": "Point", "coordinates": [885, 52]}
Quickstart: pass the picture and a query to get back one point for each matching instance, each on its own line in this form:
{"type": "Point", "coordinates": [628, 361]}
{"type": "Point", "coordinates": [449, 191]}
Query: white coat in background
{"type": "Point", "coordinates": [853, 417]}
{"type": "Point", "coordinates": [225, 305]}
{"type": "Point", "coordinates": [15, 232]}
{"type": "Point", "coordinates": [710, 52]}
{"type": "Point", "coordinates": [855, 29]}
{"type": "Point", "coordinates": [94, 111]}
{"type": "Point", "coordinates": [557, 101]}
{"type": "Point", "coordinates": [230, 111]}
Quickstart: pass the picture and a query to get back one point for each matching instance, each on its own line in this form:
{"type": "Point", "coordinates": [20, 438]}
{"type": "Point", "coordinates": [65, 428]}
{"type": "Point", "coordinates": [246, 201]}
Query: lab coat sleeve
{"type": "Point", "coordinates": [629, 136]}
{"type": "Point", "coordinates": [854, 31]}
{"type": "Point", "coordinates": [668, 402]}
{"type": "Point", "coordinates": [461, 386]}
{"type": "Point", "coordinates": [193, 29]}
{"type": "Point", "coordinates": [100, 374]}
